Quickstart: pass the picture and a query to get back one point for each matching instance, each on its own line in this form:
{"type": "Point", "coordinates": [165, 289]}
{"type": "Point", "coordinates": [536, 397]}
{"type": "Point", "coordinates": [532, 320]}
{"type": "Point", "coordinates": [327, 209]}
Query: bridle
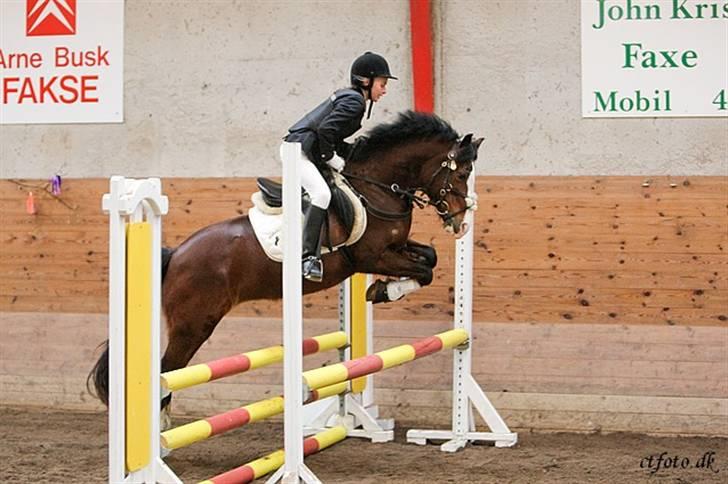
{"type": "Point", "coordinates": [419, 196]}
{"type": "Point", "coordinates": [449, 165]}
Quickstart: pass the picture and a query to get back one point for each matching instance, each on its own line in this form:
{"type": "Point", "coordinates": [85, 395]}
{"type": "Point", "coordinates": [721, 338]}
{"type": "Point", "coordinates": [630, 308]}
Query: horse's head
{"type": "Point", "coordinates": [447, 185]}
{"type": "Point", "coordinates": [421, 153]}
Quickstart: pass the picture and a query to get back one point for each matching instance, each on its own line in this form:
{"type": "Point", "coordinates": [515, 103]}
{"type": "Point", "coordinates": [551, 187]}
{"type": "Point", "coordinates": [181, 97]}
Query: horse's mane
{"type": "Point", "coordinates": [409, 126]}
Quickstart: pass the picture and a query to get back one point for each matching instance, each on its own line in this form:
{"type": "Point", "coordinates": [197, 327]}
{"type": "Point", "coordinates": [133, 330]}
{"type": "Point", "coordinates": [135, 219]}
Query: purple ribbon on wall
{"type": "Point", "coordinates": [56, 185]}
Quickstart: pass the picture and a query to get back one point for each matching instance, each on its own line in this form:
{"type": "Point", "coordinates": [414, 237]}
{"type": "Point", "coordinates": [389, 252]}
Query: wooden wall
{"type": "Point", "coordinates": [548, 249]}
{"type": "Point", "coordinates": [600, 303]}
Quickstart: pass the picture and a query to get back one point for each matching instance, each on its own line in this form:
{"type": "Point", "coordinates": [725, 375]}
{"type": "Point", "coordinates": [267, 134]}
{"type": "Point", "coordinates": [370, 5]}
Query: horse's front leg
{"type": "Point", "coordinates": [421, 252]}
{"type": "Point", "coordinates": [412, 273]}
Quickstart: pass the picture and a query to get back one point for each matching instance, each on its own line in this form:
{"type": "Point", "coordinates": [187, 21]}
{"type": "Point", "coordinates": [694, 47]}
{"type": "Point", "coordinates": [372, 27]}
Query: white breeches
{"type": "Point", "coordinates": [314, 184]}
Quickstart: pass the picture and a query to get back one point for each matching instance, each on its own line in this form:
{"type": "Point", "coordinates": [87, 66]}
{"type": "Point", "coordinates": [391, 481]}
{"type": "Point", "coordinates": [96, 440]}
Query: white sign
{"type": "Point", "coordinates": [61, 61]}
{"type": "Point", "coordinates": [654, 58]}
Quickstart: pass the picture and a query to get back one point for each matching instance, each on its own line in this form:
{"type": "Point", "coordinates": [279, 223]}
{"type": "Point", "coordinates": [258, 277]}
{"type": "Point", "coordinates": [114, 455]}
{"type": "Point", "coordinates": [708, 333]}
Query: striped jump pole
{"type": "Point", "coordinates": [199, 430]}
{"type": "Point", "coordinates": [267, 464]}
{"type": "Point", "coordinates": [366, 365]}
{"type": "Point", "coordinates": [232, 365]}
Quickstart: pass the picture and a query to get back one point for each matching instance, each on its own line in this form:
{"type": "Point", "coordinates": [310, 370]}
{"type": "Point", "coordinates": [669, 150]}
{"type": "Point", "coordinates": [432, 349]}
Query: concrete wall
{"type": "Point", "coordinates": [512, 71]}
{"type": "Point", "coordinates": [210, 88]}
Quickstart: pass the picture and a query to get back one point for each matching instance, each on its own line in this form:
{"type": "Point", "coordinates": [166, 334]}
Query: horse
{"type": "Point", "coordinates": [416, 160]}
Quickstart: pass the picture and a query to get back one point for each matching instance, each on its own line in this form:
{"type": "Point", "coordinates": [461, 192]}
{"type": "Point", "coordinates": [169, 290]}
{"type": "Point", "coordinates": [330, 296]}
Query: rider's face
{"type": "Point", "coordinates": [379, 88]}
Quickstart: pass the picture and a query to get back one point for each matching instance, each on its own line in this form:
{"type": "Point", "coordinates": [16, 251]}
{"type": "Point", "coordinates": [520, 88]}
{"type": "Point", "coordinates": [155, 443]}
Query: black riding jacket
{"type": "Point", "coordinates": [323, 130]}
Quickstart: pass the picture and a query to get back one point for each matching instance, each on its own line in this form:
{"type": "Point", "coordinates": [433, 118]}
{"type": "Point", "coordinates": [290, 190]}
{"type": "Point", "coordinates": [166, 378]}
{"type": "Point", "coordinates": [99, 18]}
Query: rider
{"type": "Point", "coordinates": [321, 133]}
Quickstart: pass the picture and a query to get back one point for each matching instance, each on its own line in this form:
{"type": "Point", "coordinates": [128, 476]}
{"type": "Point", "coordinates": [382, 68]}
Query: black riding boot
{"type": "Point", "coordinates": [313, 269]}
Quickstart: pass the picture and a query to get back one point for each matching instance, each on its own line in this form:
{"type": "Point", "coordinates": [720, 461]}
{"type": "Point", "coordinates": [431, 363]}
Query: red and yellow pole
{"type": "Point", "coordinates": [331, 375]}
{"type": "Point", "coordinates": [269, 463]}
{"type": "Point", "coordinates": [199, 430]}
{"type": "Point", "coordinates": [232, 365]}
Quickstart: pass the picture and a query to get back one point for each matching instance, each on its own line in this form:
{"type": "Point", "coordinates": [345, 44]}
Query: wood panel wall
{"type": "Point", "coordinates": [600, 303]}
{"type": "Point", "coordinates": [565, 376]}
{"type": "Point", "coordinates": [612, 250]}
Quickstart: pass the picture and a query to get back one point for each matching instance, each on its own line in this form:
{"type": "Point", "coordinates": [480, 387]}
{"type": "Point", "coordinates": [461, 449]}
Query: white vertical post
{"type": "Point", "coordinates": [466, 393]}
{"type": "Point", "coordinates": [367, 398]}
{"type": "Point", "coordinates": [154, 209]}
{"type": "Point", "coordinates": [133, 200]}
{"type": "Point", "coordinates": [117, 307]}
{"type": "Point", "coordinates": [293, 469]}
{"type": "Point", "coordinates": [155, 220]}
{"type": "Point", "coordinates": [463, 319]}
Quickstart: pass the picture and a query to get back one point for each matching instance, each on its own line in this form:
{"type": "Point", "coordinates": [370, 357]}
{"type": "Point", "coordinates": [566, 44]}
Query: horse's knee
{"type": "Point", "coordinates": [430, 255]}
{"type": "Point", "coordinates": [424, 254]}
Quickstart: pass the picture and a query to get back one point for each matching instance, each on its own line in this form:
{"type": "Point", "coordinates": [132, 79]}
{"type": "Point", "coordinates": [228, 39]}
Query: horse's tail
{"type": "Point", "coordinates": [99, 376]}
{"type": "Point", "coordinates": [97, 381]}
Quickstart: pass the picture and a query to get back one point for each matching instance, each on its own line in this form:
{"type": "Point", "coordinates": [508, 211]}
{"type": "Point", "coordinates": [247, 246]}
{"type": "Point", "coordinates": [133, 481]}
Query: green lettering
{"type": "Point", "coordinates": [720, 100]}
{"type": "Point", "coordinates": [630, 54]}
{"type": "Point", "coordinates": [676, 9]}
{"type": "Point", "coordinates": [687, 56]}
{"type": "Point", "coordinates": [649, 59]}
{"type": "Point", "coordinates": [606, 105]}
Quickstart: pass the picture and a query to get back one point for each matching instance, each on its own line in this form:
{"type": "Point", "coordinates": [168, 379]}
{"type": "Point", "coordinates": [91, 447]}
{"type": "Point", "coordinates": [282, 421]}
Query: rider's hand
{"type": "Point", "coordinates": [336, 163]}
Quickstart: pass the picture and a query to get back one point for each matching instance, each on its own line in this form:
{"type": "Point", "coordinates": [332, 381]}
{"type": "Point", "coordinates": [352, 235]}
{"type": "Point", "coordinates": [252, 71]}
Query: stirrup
{"type": "Point", "coordinates": [313, 269]}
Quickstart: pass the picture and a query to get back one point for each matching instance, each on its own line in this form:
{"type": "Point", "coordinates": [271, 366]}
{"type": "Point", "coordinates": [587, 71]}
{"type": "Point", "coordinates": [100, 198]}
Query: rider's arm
{"type": "Point", "coordinates": [347, 110]}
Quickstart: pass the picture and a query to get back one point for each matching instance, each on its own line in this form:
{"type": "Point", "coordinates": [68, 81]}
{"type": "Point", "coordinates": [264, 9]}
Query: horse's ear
{"type": "Point", "coordinates": [466, 139]}
{"type": "Point", "coordinates": [477, 142]}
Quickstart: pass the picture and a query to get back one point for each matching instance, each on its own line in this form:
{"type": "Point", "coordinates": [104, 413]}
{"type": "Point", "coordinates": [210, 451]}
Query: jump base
{"type": "Point", "coordinates": [457, 442]}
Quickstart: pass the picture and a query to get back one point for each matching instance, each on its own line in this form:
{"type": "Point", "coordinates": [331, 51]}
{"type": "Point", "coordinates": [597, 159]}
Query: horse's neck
{"type": "Point", "coordinates": [405, 165]}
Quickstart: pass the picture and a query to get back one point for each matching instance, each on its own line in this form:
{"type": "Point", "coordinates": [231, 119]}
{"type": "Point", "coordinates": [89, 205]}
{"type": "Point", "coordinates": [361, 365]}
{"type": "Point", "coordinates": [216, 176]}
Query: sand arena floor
{"type": "Point", "coordinates": [52, 446]}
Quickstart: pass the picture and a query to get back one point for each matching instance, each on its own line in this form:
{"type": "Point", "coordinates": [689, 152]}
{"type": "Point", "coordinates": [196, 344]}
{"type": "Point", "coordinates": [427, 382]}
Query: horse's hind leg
{"type": "Point", "coordinates": [183, 340]}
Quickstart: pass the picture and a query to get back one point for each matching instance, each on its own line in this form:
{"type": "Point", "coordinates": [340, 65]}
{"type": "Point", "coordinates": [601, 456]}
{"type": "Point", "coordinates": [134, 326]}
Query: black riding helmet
{"type": "Point", "coordinates": [368, 66]}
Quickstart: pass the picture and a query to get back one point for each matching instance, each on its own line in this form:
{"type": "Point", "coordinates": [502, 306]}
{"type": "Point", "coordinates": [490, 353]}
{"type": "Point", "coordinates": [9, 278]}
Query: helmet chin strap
{"type": "Point", "coordinates": [371, 101]}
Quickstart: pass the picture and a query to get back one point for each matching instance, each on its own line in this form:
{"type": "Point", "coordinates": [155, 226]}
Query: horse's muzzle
{"type": "Point", "coordinates": [458, 229]}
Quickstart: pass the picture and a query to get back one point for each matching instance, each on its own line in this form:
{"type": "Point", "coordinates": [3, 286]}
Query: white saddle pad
{"type": "Point", "coordinates": [267, 222]}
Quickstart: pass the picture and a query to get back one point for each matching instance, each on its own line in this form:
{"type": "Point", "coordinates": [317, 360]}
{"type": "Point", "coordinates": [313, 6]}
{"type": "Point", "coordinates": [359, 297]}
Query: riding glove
{"type": "Point", "coordinates": [336, 163]}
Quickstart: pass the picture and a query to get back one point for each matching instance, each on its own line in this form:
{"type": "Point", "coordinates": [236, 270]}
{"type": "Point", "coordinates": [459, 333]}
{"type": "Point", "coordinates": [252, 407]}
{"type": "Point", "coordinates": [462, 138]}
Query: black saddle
{"type": "Point", "coordinates": [272, 192]}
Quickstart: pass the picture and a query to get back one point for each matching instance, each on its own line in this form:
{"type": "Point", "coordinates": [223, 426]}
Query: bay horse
{"type": "Point", "coordinates": [418, 159]}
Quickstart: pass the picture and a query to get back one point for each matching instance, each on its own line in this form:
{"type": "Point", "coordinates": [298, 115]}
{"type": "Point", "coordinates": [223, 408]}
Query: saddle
{"type": "Point", "coordinates": [341, 204]}
{"type": "Point", "coordinates": [346, 222]}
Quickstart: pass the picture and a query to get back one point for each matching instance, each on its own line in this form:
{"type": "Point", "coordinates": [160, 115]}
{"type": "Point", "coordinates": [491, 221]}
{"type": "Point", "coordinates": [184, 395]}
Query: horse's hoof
{"type": "Point", "coordinates": [165, 420]}
{"type": "Point", "coordinates": [377, 292]}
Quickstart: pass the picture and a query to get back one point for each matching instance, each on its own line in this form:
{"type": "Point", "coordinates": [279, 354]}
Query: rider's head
{"type": "Point", "coordinates": [370, 73]}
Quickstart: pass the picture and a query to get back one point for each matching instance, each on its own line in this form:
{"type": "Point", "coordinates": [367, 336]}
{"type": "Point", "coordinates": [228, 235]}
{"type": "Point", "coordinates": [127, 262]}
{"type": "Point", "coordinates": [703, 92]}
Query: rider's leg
{"type": "Point", "coordinates": [318, 191]}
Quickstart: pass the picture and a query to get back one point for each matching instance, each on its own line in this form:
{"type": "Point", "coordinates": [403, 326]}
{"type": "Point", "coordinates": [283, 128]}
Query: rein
{"type": "Point", "coordinates": [410, 196]}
